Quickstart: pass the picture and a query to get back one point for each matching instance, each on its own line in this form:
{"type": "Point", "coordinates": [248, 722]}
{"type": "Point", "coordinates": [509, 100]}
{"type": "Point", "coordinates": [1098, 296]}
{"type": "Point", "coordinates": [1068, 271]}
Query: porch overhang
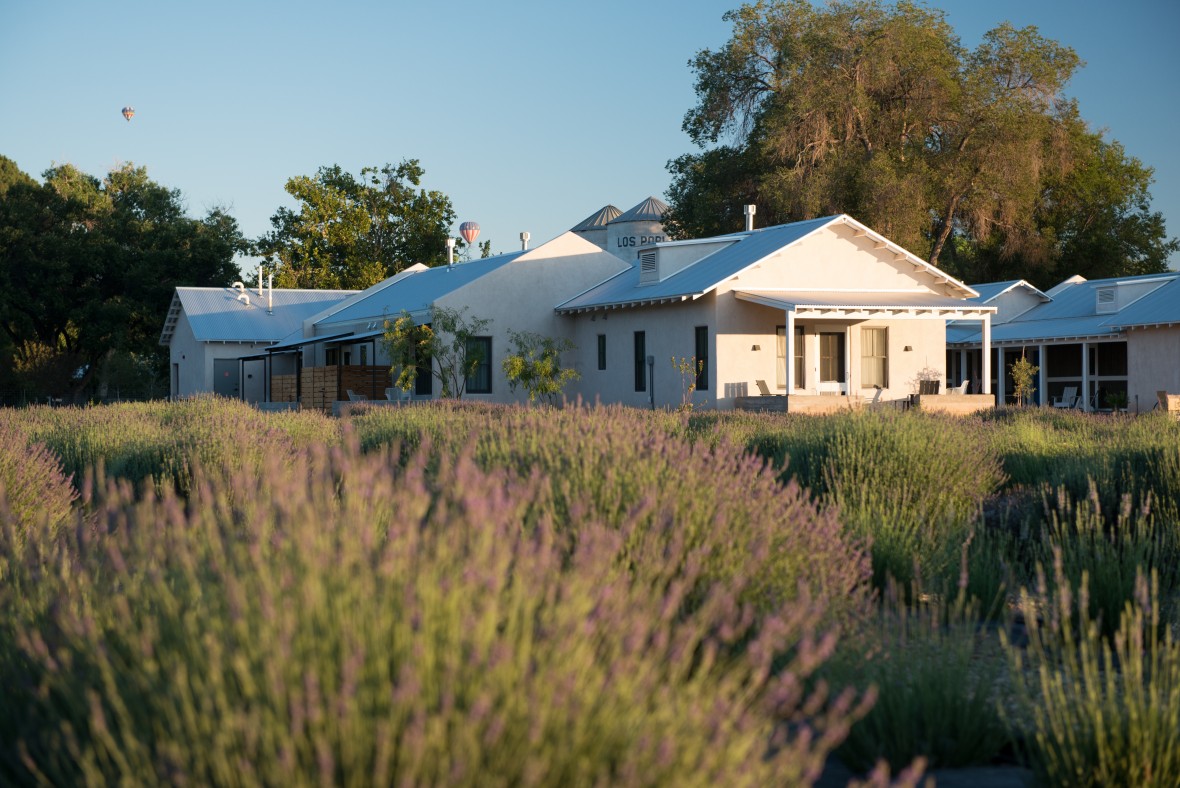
{"type": "Point", "coordinates": [867, 304]}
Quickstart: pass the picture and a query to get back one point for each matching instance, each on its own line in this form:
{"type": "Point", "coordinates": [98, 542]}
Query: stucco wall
{"type": "Point", "coordinates": [521, 296]}
{"type": "Point", "coordinates": [670, 331]}
{"type": "Point", "coordinates": [193, 362]}
{"type": "Point", "coordinates": [835, 258]}
{"type": "Point", "coordinates": [1153, 364]}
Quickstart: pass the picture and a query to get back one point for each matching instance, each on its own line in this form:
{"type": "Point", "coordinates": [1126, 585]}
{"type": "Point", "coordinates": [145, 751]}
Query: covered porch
{"type": "Point", "coordinates": [852, 349]}
{"type": "Point", "coordinates": [315, 372]}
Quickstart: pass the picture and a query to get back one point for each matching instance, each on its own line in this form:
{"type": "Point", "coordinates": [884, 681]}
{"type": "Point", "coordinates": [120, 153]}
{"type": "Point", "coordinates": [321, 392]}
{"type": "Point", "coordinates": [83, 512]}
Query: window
{"type": "Point", "coordinates": [873, 357]}
{"type": "Point", "coordinates": [364, 355]}
{"type": "Point", "coordinates": [479, 360]}
{"type": "Point", "coordinates": [330, 357]}
{"type": "Point", "coordinates": [640, 361]}
{"type": "Point", "coordinates": [780, 360]}
{"type": "Point", "coordinates": [602, 351]}
{"type": "Point", "coordinates": [702, 357]}
{"type": "Point", "coordinates": [424, 380]}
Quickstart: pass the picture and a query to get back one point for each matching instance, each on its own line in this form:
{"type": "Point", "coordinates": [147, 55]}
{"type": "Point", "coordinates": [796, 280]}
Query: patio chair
{"type": "Point", "coordinates": [763, 389]}
{"type": "Point", "coordinates": [959, 389]}
{"type": "Point", "coordinates": [354, 397]}
{"type": "Point", "coordinates": [1068, 399]}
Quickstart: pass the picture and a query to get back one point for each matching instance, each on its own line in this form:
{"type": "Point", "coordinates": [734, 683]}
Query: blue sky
{"type": "Point", "coordinates": [529, 115]}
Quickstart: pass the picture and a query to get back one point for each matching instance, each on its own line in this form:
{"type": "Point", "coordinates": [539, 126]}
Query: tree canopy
{"type": "Point", "coordinates": [975, 159]}
{"type": "Point", "coordinates": [88, 268]}
{"type": "Point", "coordinates": [354, 231]}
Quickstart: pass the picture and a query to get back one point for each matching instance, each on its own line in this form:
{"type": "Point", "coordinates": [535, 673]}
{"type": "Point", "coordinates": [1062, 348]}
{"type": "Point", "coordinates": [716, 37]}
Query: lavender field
{"type": "Point", "coordinates": [197, 593]}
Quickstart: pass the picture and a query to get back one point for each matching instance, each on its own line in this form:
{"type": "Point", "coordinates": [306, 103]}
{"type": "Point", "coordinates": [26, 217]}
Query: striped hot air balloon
{"type": "Point", "coordinates": [469, 231]}
{"type": "Point", "coordinates": [129, 113]}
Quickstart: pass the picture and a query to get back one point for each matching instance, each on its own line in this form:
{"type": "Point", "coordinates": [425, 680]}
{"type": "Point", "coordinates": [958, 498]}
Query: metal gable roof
{"type": "Point", "coordinates": [417, 291]}
{"type": "Point", "coordinates": [216, 315]}
{"type": "Point", "coordinates": [1072, 314]}
{"type": "Point", "coordinates": [695, 280]}
{"type": "Point", "coordinates": [1159, 307]}
{"type": "Point", "coordinates": [991, 290]}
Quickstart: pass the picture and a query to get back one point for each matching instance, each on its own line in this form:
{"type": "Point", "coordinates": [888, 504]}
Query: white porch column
{"type": "Point", "coordinates": [986, 374]}
{"type": "Point", "coordinates": [790, 354]}
{"type": "Point", "coordinates": [1086, 376]}
{"type": "Point", "coordinates": [1042, 394]}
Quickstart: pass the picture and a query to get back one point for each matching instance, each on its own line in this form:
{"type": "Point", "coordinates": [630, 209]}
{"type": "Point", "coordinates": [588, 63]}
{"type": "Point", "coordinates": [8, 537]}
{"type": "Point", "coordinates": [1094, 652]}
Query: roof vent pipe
{"type": "Point", "coordinates": [260, 281]}
{"type": "Point", "coordinates": [450, 252]}
{"type": "Point", "coordinates": [270, 294]}
{"type": "Point", "coordinates": [524, 241]}
{"type": "Point", "coordinates": [748, 211]}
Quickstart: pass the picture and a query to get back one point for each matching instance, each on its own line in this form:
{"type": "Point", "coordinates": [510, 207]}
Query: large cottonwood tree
{"type": "Point", "coordinates": [975, 159]}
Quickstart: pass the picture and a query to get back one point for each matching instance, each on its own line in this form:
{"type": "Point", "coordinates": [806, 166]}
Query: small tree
{"type": "Point", "coordinates": [690, 372]}
{"type": "Point", "coordinates": [445, 341]}
{"type": "Point", "coordinates": [535, 364]}
{"type": "Point", "coordinates": [1023, 372]}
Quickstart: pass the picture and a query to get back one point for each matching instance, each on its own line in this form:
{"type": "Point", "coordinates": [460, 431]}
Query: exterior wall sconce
{"type": "Point", "coordinates": [756, 347]}
{"type": "Point", "coordinates": [908, 348]}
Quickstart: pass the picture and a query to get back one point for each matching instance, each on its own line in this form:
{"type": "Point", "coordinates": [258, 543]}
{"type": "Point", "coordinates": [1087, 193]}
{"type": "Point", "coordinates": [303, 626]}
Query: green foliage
{"type": "Point", "coordinates": [1106, 711]}
{"type": "Point", "coordinates": [908, 482]}
{"type": "Point", "coordinates": [689, 370]}
{"type": "Point", "coordinates": [445, 339]}
{"type": "Point", "coordinates": [379, 619]}
{"type": "Point", "coordinates": [975, 160]}
{"type": "Point", "coordinates": [89, 268]}
{"type": "Point", "coordinates": [352, 232]}
{"type": "Point", "coordinates": [34, 493]}
{"type": "Point", "coordinates": [534, 363]}
{"type": "Point", "coordinates": [1111, 554]}
{"type": "Point", "coordinates": [935, 677]}
{"type": "Point", "coordinates": [1023, 373]}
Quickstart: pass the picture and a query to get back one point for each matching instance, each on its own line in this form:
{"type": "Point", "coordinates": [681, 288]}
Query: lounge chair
{"type": "Point", "coordinates": [354, 397]}
{"type": "Point", "coordinates": [763, 389]}
{"type": "Point", "coordinates": [959, 389]}
{"type": "Point", "coordinates": [1068, 399]}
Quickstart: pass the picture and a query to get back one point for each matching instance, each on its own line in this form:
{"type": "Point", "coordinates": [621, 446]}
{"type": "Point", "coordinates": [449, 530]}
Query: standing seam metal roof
{"type": "Point", "coordinates": [418, 291]}
{"type": "Point", "coordinates": [216, 315]}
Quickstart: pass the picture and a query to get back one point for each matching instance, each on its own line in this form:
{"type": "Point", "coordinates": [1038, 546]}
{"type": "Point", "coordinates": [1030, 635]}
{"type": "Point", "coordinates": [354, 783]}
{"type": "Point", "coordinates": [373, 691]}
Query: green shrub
{"type": "Point", "coordinates": [1110, 554]}
{"type": "Point", "coordinates": [357, 619]}
{"type": "Point", "coordinates": [33, 488]}
{"type": "Point", "coordinates": [935, 675]}
{"type": "Point", "coordinates": [911, 483]}
{"type": "Point", "coordinates": [1104, 711]}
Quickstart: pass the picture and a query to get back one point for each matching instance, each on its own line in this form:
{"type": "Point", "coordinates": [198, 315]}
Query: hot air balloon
{"type": "Point", "coordinates": [129, 113]}
{"type": "Point", "coordinates": [469, 231]}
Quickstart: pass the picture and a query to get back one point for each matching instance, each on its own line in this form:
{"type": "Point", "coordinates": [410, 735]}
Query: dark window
{"type": "Point", "coordinates": [831, 357]}
{"type": "Point", "coordinates": [602, 351]}
{"type": "Point", "coordinates": [424, 380]}
{"type": "Point", "coordinates": [640, 361]}
{"type": "Point", "coordinates": [702, 357]}
{"type": "Point", "coordinates": [479, 361]}
{"type": "Point", "coordinates": [330, 357]}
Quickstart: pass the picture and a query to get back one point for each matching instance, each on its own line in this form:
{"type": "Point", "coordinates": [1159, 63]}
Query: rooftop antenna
{"type": "Point", "coordinates": [524, 241]}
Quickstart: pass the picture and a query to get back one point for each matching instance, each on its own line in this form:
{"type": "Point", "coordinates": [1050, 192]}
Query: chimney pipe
{"type": "Point", "coordinates": [260, 281]}
{"type": "Point", "coordinates": [270, 294]}
{"type": "Point", "coordinates": [748, 211]}
{"type": "Point", "coordinates": [450, 252]}
{"type": "Point", "coordinates": [524, 241]}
